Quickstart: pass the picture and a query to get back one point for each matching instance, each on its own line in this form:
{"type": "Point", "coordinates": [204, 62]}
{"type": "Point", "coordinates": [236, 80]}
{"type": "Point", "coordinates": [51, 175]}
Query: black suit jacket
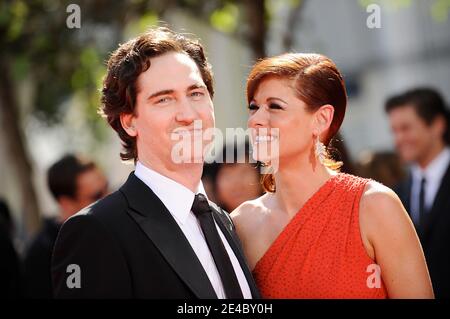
{"type": "Point", "coordinates": [128, 245]}
{"type": "Point", "coordinates": [11, 286]}
{"type": "Point", "coordinates": [434, 233]}
{"type": "Point", "coordinates": [38, 260]}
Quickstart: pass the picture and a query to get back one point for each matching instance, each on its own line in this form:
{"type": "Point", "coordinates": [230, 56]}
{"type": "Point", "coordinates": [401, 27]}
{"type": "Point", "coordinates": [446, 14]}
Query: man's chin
{"type": "Point", "coordinates": [409, 158]}
{"type": "Point", "coordinates": [189, 160]}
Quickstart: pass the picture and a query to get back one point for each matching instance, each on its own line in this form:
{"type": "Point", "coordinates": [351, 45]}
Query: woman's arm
{"type": "Point", "coordinates": [386, 226]}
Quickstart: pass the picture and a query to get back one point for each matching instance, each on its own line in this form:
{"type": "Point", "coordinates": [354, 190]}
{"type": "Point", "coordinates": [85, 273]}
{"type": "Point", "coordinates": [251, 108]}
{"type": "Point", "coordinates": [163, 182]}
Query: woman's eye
{"type": "Point", "coordinates": [252, 106]}
{"type": "Point", "coordinates": [275, 106]}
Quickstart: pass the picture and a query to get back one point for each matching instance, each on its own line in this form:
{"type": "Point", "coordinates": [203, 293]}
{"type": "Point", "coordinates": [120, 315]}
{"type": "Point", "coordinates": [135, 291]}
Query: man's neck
{"type": "Point", "coordinates": [430, 156]}
{"type": "Point", "coordinates": [188, 175]}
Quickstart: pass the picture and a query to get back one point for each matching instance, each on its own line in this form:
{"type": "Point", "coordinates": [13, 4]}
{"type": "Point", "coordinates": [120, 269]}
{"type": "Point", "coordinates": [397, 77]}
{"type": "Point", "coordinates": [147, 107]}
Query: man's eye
{"type": "Point", "coordinates": [163, 100]}
{"type": "Point", "coordinates": [197, 94]}
{"type": "Point", "coordinates": [253, 106]}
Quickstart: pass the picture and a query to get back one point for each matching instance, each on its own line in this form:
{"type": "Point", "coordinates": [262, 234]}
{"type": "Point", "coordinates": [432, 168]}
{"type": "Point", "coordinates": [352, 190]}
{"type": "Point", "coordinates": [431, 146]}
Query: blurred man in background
{"type": "Point", "coordinates": [420, 124]}
{"type": "Point", "coordinates": [75, 183]}
{"type": "Point", "coordinates": [384, 167]}
{"type": "Point", "coordinates": [10, 267]}
{"type": "Point", "coordinates": [232, 179]}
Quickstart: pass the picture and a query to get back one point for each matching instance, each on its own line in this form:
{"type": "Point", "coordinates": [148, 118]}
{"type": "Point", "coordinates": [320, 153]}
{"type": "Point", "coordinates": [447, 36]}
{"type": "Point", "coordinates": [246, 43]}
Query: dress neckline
{"type": "Point", "coordinates": [296, 218]}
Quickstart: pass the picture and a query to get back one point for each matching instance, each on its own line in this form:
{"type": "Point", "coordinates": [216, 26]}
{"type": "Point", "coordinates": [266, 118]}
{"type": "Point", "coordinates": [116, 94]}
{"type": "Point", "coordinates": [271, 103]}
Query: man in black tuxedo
{"type": "Point", "coordinates": [158, 236]}
{"type": "Point", "coordinates": [74, 182]}
{"type": "Point", "coordinates": [420, 123]}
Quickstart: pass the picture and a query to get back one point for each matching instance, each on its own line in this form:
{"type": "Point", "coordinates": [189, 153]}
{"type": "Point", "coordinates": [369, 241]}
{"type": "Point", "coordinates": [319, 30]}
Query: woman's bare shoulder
{"type": "Point", "coordinates": [381, 209]}
{"type": "Point", "coordinates": [250, 211]}
{"type": "Point", "coordinates": [380, 200]}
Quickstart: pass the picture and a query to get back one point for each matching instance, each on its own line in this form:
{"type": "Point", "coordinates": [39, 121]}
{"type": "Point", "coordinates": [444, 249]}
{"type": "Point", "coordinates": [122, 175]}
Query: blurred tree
{"type": "Point", "coordinates": [439, 9]}
{"type": "Point", "coordinates": [247, 20]}
{"type": "Point", "coordinates": [292, 22]}
{"type": "Point", "coordinates": [36, 44]}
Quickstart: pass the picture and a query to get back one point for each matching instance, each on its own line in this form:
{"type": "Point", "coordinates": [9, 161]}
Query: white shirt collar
{"type": "Point", "coordinates": [436, 169]}
{"type": "Point", "coordinates": [177, 198]}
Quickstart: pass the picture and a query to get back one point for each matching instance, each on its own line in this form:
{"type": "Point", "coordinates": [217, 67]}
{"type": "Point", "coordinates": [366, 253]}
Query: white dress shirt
{"type": "Point", "coordinates": [433, 174]}
{"type": "Point", "coordinates": [178, 200]}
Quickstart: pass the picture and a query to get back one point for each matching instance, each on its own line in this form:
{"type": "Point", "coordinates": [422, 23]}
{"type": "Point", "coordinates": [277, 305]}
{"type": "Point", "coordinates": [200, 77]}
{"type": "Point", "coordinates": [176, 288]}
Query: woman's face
{"type": "Point", "coordinates": [279, 121]}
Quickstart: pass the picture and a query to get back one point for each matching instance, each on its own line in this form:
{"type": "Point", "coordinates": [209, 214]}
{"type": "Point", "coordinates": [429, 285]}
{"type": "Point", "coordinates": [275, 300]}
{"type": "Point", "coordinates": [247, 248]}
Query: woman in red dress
{"type": "Point", "coordinates": [319, 233]}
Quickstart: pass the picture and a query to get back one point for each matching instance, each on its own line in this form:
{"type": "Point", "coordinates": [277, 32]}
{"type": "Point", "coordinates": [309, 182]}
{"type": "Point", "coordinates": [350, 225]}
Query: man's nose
{"type": "Point", "coordinates": [186, 112]}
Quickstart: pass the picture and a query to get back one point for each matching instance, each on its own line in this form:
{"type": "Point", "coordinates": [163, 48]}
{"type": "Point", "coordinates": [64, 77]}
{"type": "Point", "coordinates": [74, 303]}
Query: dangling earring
{"type": "Point", "coordinates": [263, 164]}
{"type": "Point", "coordinates": [320, 151]}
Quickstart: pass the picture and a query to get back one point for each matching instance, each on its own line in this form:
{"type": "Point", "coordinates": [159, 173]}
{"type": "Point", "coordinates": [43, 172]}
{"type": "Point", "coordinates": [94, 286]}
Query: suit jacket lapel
{"type": "Point", "coordinates": [438, 203]}
{"type": "Point", "coordinates": [158, 224]}
{"type": "Point", "coordinates": [229, 234]}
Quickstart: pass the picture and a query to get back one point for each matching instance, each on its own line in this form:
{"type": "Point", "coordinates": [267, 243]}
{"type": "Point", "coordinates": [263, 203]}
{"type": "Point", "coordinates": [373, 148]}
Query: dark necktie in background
{"type": "Point", "coordinates": [422, 208]}
{"type": "Point", "coordinates": [202, 211]}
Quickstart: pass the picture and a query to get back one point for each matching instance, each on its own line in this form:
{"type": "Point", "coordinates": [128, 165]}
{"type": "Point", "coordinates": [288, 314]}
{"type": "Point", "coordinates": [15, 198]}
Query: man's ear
{"type": "Point", "coordinates": [127, 121]}
{"type": "Point", "coordinates": [439, 126]}
{"type": "Point", "coordinates": [323, 118]}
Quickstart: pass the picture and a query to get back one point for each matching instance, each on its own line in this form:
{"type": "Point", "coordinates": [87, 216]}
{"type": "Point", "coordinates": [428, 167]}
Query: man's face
{"type": "Point", "coordinates": [171, 95]}
{"type": "Point", "coordinates": [413, 137]}
{"type": "Point", "coordinates": [91, 186]}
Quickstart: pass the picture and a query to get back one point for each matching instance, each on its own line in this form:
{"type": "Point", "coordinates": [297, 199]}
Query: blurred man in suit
{"type": "Point", "coordinates": [74, 182]}
{"type": "Point", "coordinates": [420, 124]}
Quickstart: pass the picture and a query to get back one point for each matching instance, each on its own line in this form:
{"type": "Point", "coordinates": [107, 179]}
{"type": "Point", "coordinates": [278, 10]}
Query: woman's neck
{"type": "Point", "coordinates": [297, 180]}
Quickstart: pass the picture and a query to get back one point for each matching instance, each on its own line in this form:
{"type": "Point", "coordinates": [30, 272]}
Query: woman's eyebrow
{"type": "Point", "coordinates": [276, 99]}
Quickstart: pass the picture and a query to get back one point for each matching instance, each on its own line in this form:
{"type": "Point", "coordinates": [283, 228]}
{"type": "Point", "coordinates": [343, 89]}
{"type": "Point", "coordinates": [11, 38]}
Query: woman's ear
{"type": "Point", "coordinates": [324, 117]}
{"type": "Point", "coordinates": [127, 121]}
